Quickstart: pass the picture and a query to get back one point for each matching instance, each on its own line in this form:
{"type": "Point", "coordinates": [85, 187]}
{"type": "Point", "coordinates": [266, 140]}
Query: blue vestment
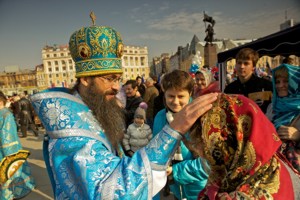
{"type": "Point", "coordinates": [81, 161]}
{"type": "Point", "coordinates": [21, 183]}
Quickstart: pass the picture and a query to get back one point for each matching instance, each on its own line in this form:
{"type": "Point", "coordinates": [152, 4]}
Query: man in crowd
{"type": "Point", "coordinates": [248, 84]}
{"type": "Point", "coordinates": [25, 114]}
{"type": "Point", "coordinates": [150, 94]}
{"type": "Point", "coordinates": [85, 127]}
{"type": "Point", "coordinates": [132, 100]}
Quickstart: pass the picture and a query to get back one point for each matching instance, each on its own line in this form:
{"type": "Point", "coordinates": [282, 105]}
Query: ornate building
{"type": "Point", "coordinates": [13, 80]}
{"type": "Point", "coordinates": [135, 62]}
{"type": "Point", "coordinates": [59, 68]}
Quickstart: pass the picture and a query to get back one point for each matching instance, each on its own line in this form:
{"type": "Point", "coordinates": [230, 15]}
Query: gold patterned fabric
{"type": "Point", "coordinates": [10, 164]}
{"type": "Point", "coordinates": [240, 145]}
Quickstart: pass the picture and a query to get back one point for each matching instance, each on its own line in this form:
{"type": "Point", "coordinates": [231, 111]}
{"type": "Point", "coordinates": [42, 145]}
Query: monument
{"type": "Point", "coordinates": [210, 49]}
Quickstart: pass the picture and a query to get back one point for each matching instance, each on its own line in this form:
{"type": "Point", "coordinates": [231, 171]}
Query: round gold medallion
{"type": "Point", "coordinates": [84, 51]}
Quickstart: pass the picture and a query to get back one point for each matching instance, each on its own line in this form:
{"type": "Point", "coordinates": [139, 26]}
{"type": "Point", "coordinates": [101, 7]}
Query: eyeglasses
{"type": "Point", "coordinates": [111, 80]}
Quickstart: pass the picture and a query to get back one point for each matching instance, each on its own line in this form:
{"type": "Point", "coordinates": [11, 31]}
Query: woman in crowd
{"type": "Point", "coordinates": [286, 110]}
{"type": "Point", "coordinates": [240, 144]}
{"type": "Point", "coordinates": [187, 175]}
{"type": "Point", "coordinates": [205, 83]}
{"type": "Point", "coordinates": [20, 183]}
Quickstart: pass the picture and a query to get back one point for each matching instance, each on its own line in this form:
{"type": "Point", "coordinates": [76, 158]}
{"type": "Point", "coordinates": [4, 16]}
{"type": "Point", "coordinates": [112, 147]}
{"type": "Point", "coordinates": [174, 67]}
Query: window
{"type": "Point", "coordinates": [49, 63]}
{"type": "Point", "coordinates": [48, 55]}
{"type": "Point", "coordinates": [55, 55]}
{"type": "Point", "coordinates": [61, 54]}
{"type": "Point", "coordinates": [50, 69]}
{"type": "Point", "coordinates": [126, 61]}
{"type": "Point", "coordinates": [142, 61]}
{"type": "Point", "coordinates": [64, 74]}
{"type": "Point", "coordinates": [50, 75]}
{"type": "Point", "coordinates": [64, 68]}
{"type": "Point", "coordinates": [70, 61]}
{"type": "Point", "coordinates": [57, 75]}
{"type": "Point", "coordinates": [57, 69]}
{"type": "Point", "coordinates": [63, 62]}
{"type": "Point", "coordinates": [56, 62]}
{"type": "Point", "coordinates": [136, 61]}
{"type": "Point", "coordinates": [131, 61]}
{"type": "Point", "coordinates": [71, 67]}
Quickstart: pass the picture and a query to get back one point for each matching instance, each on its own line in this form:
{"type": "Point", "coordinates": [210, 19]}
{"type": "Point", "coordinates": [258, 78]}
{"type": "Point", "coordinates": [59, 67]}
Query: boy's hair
{"type": "Point", "coordinates": [179, 80]}
{"type": "Point", "coordinates": [247, 54]}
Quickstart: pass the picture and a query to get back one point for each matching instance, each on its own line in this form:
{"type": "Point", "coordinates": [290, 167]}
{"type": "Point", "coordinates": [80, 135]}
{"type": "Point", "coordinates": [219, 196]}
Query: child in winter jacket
{"type": "Point", "coordinates": [138, 133]}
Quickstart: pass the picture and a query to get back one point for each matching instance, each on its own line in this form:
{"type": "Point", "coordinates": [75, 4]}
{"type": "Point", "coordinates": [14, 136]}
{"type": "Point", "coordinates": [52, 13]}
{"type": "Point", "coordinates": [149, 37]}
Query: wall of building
{"type": "Point", "coordinates": [135, 62]}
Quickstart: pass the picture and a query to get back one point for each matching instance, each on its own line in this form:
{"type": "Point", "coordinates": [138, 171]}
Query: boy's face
{"type": "Point", "coordinates": [244, 68]}
{"type": "Point", "coordinates": [176, 99]}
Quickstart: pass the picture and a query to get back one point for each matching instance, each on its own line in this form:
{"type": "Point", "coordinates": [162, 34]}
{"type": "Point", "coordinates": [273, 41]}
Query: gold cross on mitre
{"type": "Point", "coordinates": [93, 17]}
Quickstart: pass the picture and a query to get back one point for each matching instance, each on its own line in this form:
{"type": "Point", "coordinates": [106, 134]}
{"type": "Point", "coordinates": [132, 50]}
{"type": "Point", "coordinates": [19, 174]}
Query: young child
{"type": "Point", "coordinates": [138, 133]}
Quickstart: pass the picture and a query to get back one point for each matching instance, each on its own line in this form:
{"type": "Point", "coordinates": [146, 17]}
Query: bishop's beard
{"type": "Point", "coordinates": [107, 112]}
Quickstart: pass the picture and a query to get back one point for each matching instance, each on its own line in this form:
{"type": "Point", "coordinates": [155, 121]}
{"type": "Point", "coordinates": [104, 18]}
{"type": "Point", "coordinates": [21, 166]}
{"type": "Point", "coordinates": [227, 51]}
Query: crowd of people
{"type": "Point", "coordinates": [179, 135]}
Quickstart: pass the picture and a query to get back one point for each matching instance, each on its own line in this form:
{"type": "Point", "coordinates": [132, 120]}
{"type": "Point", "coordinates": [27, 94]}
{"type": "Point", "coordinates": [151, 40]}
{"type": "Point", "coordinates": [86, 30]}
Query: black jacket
{"type": "Point", "coordinates": [254, 84]}
{"type": "Point", "coordinates": [25, 111]}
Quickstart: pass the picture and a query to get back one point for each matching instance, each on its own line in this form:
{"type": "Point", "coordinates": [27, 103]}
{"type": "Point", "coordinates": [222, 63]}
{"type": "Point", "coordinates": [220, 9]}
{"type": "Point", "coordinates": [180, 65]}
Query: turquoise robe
{"type": "Point", "coordinates": [21, 183]}
{"type": "Point", "coordinates": [190, 175]}
{"type": "Point", "coordinates": [81, 161]}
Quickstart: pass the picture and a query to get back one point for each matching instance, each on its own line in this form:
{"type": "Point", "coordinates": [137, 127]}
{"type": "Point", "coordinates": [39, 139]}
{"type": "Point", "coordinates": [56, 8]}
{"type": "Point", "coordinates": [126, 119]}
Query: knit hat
{"type": "Point", "coordinates": [140, 112]}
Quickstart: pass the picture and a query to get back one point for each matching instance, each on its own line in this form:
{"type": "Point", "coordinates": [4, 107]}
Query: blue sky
{"type": "Point", "coordinates": [28, 25]}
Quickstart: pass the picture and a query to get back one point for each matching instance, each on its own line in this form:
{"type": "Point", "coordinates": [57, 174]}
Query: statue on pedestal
{"type": "Point", "coordinates": [209, 29]}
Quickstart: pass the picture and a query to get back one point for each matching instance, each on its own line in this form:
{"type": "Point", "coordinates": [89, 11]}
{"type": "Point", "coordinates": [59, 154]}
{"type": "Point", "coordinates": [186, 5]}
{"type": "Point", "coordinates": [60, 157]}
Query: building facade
{"type": "Point", "coordinates": [15, 81]}
{"type": "Point", "coordinates": [59, 68]}
{"type": "Point", "coordinates": [135, 62]}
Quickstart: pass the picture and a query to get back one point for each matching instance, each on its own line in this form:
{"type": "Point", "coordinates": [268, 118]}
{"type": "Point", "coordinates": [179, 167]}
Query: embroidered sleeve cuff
{"type": "Point", "coordinates": [172, 132]}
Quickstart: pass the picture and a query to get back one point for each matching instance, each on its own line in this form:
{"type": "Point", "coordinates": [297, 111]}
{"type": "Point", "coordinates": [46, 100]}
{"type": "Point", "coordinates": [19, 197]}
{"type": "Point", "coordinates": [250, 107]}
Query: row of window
{"type": "Point", "coordinates": [130, 51]}
{"type": "Point", "coordinates": [135, 61]}
{"type": "Point", "coordinates": [55, 55]}
{"type": "Point", "coordinates": [20, 78]}
{"type": "Point", "coordinates": [64, 68]}
{"type": "Point", "coordinates": [57, 75]}
{"type": "Point", "coordinates": [137, 69]}
{"type": "Point", "coordinates": [63, 62]}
